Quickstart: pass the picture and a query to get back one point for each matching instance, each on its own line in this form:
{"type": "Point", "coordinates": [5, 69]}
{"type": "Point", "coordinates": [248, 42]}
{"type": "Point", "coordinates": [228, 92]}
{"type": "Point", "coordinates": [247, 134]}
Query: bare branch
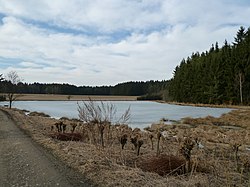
{"type": "Point", "coordinates": [125, 117]}
{"type": "Point", "coordinates": [91, 111]}
{"type": "Point", "coordinates": [100, 114]}
{"type": "Point", "coordinates": [14, 79]}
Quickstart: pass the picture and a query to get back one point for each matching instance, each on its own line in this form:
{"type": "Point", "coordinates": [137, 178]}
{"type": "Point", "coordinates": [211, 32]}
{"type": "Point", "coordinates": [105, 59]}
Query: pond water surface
{"type": "Point", "coordinates": [143, 113]}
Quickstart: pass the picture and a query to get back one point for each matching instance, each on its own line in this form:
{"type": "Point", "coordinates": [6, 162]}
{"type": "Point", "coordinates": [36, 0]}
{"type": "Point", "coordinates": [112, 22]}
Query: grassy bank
{"type": "Point", "coordinates": [219, 157]}
{"type": "Point", "coordinates": [208, 105]}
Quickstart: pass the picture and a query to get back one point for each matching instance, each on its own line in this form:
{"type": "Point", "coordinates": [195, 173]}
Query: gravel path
{"type": "Point", "coordinates": [25, 163]}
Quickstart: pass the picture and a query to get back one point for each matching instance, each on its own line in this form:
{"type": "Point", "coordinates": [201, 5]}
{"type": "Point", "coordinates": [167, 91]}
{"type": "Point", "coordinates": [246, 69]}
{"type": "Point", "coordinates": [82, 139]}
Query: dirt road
{"type": "Point", "coordinates": [25, 163]}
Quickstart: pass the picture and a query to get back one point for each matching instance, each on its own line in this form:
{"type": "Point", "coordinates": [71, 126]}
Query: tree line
{"type": "Point", "coordinates": [139, 88]}
{"type": "Point", "coordinates": [218, 76]}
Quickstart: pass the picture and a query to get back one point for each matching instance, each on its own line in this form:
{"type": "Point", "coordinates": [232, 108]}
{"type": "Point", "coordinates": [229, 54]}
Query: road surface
{"type": "Point", "coordinates": [25, 163]}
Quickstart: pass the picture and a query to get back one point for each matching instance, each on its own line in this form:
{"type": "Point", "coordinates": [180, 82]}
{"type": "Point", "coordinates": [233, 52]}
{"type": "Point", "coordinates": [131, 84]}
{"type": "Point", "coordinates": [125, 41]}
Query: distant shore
{"type": "Point", "coordinates": [57, 97]}
{"type": "Point", "coordinates": [208, 105]}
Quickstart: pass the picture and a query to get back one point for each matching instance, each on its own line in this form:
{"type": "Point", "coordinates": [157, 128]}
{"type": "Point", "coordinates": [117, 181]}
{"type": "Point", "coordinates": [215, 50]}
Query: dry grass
{"type": "Point", "coordinates": [213, 165]}
{"type": "Point", "coordinates": [163, 165]}
{"type": "Point", "coordinates": [55, 97]}
{"type": "Point", "coordinates": [236, 118]}
{"type": "Point", "coordinates": [209, 105]}
{"type": "Point", "coordinates": [66, 136]}
{"type": "Point", "coordinates": [38, 114]}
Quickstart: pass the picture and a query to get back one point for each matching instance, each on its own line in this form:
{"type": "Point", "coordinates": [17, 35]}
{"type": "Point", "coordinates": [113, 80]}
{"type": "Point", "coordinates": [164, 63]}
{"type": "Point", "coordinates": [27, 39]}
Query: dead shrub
{"type": "Point", "coordinates": [140, 143]}
{"type": "Point", "coordinates": [151, 136]}
{"type": "Point", "coordinates": [100, 114]}
{"type": "Point", "coordinates": [73, 127]}
{"type": "Point", "coordinates": [186, 150]}
{"type": "Point", "coordinates": [59, 126]}
{"type": "Point", "coordinates": [123, 140]}
{"type": "Point", "coordinates": [133, 140]}
{"type": "Point", "coordinates": [66, 136]}
{"type": "Point", "coordinates": [163, 165]}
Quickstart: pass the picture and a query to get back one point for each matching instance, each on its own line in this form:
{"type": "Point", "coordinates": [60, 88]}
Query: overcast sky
{"type": "Point", "coordinates": [105, 42]}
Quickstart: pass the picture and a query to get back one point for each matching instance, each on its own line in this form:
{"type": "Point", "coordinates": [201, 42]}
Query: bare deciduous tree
{"type": "Point", "coordinates": [13, 79]}
{"type": "Point", "coordinates": [1, 77]}
{"type": "Point", "coordinates": [100, 114]}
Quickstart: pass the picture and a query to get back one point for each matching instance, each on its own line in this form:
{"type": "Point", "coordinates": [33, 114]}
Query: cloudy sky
{"type": "Point", "coordinates": [105, 42]}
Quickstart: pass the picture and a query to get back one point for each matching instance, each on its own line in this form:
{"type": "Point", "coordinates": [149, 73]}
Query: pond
{"type": "Point", "coordinates": [143, 113]}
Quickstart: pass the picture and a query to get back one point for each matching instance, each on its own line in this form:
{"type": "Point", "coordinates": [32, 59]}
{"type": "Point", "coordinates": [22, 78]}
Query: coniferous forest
{"type": "Point", "coordinates": [146, 89]}
{"type": "Point", "coordinates": [218, 76]}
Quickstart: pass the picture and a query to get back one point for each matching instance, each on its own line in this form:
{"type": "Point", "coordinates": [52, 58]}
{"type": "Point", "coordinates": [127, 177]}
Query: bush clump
{"type": "Point", "coordinates": [67, 136]}
{"type": "Point", "coordinates": [163, 165]}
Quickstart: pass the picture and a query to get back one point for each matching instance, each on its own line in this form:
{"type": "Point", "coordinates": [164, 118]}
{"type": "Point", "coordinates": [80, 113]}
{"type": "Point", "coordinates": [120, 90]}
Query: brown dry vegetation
{"type": "Point", "coordinates": [218, 163]}
{"type": "Point", "coordinates": [56, 97]}
{"type": "Point", "coordinates": [208, 105]}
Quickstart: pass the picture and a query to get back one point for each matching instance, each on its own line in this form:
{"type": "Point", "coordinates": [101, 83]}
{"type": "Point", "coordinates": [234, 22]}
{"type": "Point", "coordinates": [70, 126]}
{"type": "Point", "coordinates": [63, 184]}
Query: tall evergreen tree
{"type": "Point", "coordinates": [220, 75]}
